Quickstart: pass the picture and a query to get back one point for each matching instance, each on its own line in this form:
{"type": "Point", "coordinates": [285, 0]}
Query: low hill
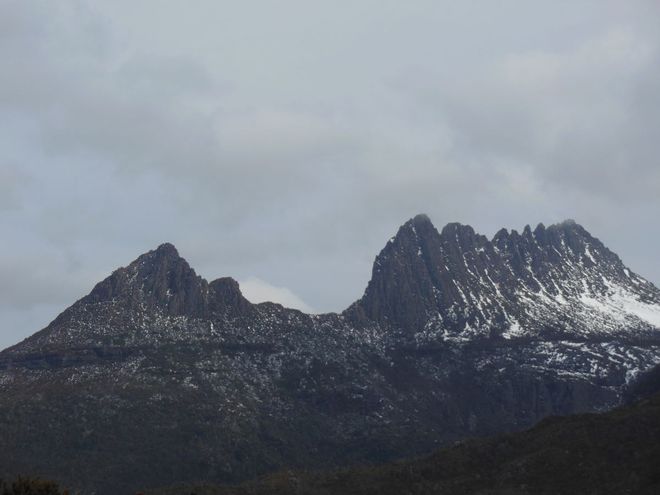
{"type": "Point", "coordinates": [610, 453]}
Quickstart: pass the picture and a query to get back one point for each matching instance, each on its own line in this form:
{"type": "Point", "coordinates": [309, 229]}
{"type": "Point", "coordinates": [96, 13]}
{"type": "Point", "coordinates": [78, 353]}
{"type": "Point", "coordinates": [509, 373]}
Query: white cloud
{"type": "Point", "coordinates": [257, 290]}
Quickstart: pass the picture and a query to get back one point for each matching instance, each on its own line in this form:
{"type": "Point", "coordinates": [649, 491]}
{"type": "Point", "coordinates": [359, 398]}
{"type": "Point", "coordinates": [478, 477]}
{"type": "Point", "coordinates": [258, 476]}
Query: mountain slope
{"type": "Point", "coordinates": [550, 282]}
{"type": "Point", "coordinates": [158, 376]}
{"type": "Point", "coordinates": [610, 453]}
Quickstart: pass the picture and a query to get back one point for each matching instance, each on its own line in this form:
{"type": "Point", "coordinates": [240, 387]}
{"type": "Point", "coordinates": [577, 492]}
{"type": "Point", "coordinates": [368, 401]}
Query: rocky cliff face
{"type": "Point", "coordinates": [548, 283]}
{"type": "Point", "coordinates": [158, 376]}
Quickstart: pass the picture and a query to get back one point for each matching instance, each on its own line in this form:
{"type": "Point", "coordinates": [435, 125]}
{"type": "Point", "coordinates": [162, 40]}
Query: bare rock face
{"type": "Point", "coordinates": [225, 296]}
{"type": "Point", "coordinates": [420, 274]}
{"type": "Point", "coordinates": [402, 290]}
{"type": "Point", "coordinates": [162, 280]}
{"type": "Point", "coordinates": [554, 282]}
{"type": "Point", "coordinates": [158, 376]}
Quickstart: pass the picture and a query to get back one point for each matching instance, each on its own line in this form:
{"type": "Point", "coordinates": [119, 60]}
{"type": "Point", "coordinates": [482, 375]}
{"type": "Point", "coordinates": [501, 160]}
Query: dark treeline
{"type": "Point", "coordinates": [612, 453]}
{"type": "Point", "coordinates": [31, 486]}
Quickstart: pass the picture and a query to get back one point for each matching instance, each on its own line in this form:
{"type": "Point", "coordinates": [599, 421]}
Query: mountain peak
{"type": "Point", "coordinates": [463, 283]}
{"type": "Point", "coordinates": [225, 293]}
{"type": "Point", "coordinates": [158, 278]}
{"type": "Point", "coordinates": [457, 230]}
{"type": "Point", "coordinates": [455, 227]}
{"type": "Point", "coordinates": [421, 219]}
{"type": "Point", "coordinates": [164, 253]}
{"type": "Point", "coordinates": [400, 285]}
{"type": "Point", "coordinates": [410, 273]}
{"type": "Point", "coordinates": [166, 249]}
{"type": "Point", "coordinates": [162, 279]}
{"type": "Point", "coordinates": [159, 283]}
{"type": "Point", "coordinates": [419, 225]}
{"type": "Point", "coordinates": [569, 226]}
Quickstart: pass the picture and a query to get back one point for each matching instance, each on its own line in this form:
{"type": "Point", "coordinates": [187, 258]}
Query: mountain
{"type": "Point", "coordinates": [158, 376]}
{"type": "Point", "coordinates": [547, 283]}
{"type": "Point", "coordinates": [609, 453]}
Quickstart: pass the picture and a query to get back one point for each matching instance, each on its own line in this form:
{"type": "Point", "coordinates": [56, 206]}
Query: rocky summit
{"type": "Point", "coordinates": [160, 377]}
{"type": "Point", "coordinates": [547, 284]}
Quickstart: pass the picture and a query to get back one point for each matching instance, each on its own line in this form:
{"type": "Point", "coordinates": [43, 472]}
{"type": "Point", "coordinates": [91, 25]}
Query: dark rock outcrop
{"type": "Point", "coordinates": [552, 282]}
{"type": "Point", "coordinates": [158, 376]}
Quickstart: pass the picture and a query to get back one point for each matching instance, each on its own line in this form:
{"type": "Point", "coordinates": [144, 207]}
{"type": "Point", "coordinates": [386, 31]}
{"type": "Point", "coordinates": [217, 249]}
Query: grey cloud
{"type": "Point", "coordinates": [30, 280]}
{"type": "Point", "coordinates": [574, 117]}
{"type": "Point", "coordinates": [12, 181]}
{"type": "Point", "coordinates": [288, 145]}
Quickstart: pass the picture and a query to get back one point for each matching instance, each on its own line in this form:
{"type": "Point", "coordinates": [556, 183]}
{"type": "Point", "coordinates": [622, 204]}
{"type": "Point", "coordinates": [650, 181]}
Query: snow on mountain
{"type": "Point", "coordinates": [456, 335]}
{"type": "Point", "coordinates": [550, 282]}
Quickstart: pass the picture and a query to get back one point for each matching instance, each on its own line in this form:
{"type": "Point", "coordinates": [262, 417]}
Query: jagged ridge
{"type": "Point", "coordinates": [551, 282]}
{"type": "Point", "coordinates": [163, 377]}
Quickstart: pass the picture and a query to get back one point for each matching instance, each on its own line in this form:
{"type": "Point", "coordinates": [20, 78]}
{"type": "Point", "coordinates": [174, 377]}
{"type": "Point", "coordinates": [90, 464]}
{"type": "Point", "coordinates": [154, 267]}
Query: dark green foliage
{"type": "Point", "coordinates": [613, 453]}
{"type": "Point", "coordinates": [646, 385]}
{"type": "Point", "coordinates": [31, 486]}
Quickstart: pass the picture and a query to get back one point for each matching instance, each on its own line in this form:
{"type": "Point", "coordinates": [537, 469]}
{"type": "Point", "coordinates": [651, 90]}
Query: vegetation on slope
{"type": "Point", "coordinates": [30, 486]}
{"type": "Point", "coordinates": [612, 453]}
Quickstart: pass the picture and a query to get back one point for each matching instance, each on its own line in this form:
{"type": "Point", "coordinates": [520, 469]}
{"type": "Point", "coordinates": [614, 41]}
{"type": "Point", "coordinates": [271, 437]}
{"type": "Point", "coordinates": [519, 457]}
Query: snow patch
{"type": "Point", "coordinates": [620, 304]}
{"type": "Point", "coordinates": [514, 330]}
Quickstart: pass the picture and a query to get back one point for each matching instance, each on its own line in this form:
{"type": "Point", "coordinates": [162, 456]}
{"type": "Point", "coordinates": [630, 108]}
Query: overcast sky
{"type": "Point", "coordinates": [283, 142]}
